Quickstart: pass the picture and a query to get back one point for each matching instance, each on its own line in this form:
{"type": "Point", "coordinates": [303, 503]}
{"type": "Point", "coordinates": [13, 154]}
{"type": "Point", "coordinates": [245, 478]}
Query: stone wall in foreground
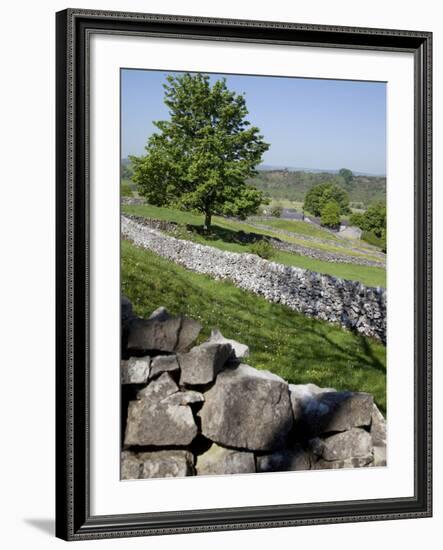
{"type": "Point", "coordinates": [348, 303]}
{"type": "Point", "coordinates": [200, 410]}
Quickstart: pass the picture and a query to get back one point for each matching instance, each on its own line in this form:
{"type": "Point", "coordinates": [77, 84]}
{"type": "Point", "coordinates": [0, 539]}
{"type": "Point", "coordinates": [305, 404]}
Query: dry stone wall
{"type": "Point", "coordinates": [348, 303]}
{"type": "Point", "coordinates": [199, 409]}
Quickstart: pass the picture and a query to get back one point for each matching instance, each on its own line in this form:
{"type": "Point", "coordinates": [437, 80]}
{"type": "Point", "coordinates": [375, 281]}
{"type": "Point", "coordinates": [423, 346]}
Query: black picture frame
{"type": "Point", "coordinates": [73, 518]}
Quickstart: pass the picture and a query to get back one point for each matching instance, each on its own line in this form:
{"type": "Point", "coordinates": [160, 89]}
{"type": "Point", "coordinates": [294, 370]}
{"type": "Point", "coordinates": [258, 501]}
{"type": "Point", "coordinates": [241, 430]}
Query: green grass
{"type": "Point", "coordinates": [290, 239]}
{"type": "Point", "coordinates": [299, 349]}
{"type": "Point", "coordinates": [300, 227]}
{"type": "Point", "coordinates": [224, 236]}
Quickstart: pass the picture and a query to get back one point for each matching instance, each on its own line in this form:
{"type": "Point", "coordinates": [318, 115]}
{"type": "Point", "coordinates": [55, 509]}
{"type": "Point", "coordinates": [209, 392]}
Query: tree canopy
{"type": "Point", "coordinates": [373, 220]}
{"type": "Point", "coordinates": [200, 158]}
{"type": "Point", "coordinates": [319, 195]}
{"type": "Point", "coordinates": [330, 214]}
{"type": "Point", "coordinates": [347, 175]}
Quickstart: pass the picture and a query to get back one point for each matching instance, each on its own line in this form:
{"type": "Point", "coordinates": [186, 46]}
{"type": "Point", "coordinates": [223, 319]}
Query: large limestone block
{"type": "Point", "coordinates": [352, 462]}
{"type": "Point", "coordinates": [219, 460]}
{"type": "Point", "coordinates": [301, 394]}
{"type": "Point", "coordinates": [159, 424]}
{"type": "Point", "coordinates": [247, 409]}
{"type": "Point", "coordinates": [130, 465]}
{"type": "Point", "coordinates": [336, 412]}
{"type": "Point", "coordinates": [379, 453]}
{"type": "Point", "coordinates": [239, 350]}
{"type": "Point", "coordinates": [202, 363]}
{"type": "Point", "coordinates": [354, 443]}
{"type": "Point", "coordinates": [285, 460]}
{"type": "Point", "coordinates": [378, 427]}
{"type": "Point", "coordinates": [164, 363]}
{"type": "Point", "coordinates": [187, 397]}
{"type": "Point", "coordinates": [160, 314]}
{"type": "Point", "coordinates": [161, 334]}
{"type": "Point", "coordinates": [155, 464]}
{"type": "Point", "coordinates": [135, 370]}
{"type": "Point", "coordinates": [158, 389]}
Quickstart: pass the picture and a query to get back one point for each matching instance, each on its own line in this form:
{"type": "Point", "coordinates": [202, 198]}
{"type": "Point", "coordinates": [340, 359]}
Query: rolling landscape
{"type": "Point", "coordinates": [284, 266]}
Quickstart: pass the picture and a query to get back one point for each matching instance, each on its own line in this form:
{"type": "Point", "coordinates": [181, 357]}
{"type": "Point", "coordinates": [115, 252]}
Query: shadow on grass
{"type": "Point", "coordinates": [218, 233]}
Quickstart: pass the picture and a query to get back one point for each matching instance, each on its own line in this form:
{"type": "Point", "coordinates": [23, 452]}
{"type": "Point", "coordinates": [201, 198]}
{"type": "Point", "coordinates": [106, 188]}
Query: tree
{"type": "Point", "coordinates": [373, 224]}
{"type": "Point", "coordinates": [347, 175]}
{"type": "Point", "coordinates": [373, 220]}
{"type": "Point", "coordinates": [202, 156]}
{"type": "Point", "coordinates": [330, 214]}
{"type": "Point", "coordinates": [319, 195]}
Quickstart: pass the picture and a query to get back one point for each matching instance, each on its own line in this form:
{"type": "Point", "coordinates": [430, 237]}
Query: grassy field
{"type": "Point", "coordinates": [297, 348]}
{"type": "Point", "coordinates": [225, 237]}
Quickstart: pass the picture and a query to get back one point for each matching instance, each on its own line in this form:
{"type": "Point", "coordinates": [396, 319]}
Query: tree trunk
{"type": "Point", "coordinates": [208, 217]}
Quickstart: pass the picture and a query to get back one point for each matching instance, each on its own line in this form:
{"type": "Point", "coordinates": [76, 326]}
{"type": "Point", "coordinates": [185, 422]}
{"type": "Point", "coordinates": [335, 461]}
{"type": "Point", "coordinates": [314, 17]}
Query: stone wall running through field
{"type": "Point", "coordinates": [348, 303]}
{"type": "Point", "coordinates": [199, 409]}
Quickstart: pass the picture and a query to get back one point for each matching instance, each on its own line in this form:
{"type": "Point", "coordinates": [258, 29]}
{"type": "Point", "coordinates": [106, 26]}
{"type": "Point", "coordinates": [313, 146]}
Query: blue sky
{"type": "Point", "coordinates": [310, 123]}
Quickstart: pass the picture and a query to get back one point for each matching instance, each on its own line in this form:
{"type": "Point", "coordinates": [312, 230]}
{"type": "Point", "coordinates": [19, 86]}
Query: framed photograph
{"type": "Point", "coordinates": [243, 274]}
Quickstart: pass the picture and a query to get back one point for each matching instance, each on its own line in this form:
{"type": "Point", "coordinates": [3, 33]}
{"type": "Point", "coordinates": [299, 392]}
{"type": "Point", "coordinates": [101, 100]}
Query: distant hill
{"type": "Point", "coordinates": [275, 167]}
{"type": "Point", "coordinates": [293, 185]}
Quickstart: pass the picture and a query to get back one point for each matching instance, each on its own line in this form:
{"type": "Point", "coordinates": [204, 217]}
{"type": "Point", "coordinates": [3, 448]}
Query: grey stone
{"type": "Point", "coordinates": [173, 463]}
{"type": "Point", "coordinates": [159, 424]}
{"type": "Point", "coordinates": [135, 370]}
{"type": "Point", "coordinates": [130, 465]}
{"type": "Point", "coordinates": [158, 389]}
{"type": "Point", "coordinates": [161, 333]}
{"type": "Point", "coordinates": [164, 363]}
{"type": "Point", "coordinates": [239, 351]}
{"type": "Point", "coordinates": [337, 412]}
{"type": "Point", "coordinates": [354, 443]}
{"type": "Point", "coordinates": [285, 460]}
{"type": "Point", "coordinates": [155, 464]}
{"type": "Point", "coordinates": [189, 331]}
{"type": "Point", "coordinates": [378, 427]}
{"type": "Point", "coordinates": [248, 409]}
{"type": "Point", "coordinates": [301, 394]}
{"type": "Point", "coordinates": [187, 397]}
{"type": "Point", "coordinates": [219, 460]}
{"type": "Point", "coordinates": [160, 314]}
{"type": "Point", "coordinates": [353, 462]}
{"type": "Point", "coordinates": [150, 334]}
{"type": "Point", "coordinates": [201, 365]}
{"type": "Point", "coordinates": [379, 452]}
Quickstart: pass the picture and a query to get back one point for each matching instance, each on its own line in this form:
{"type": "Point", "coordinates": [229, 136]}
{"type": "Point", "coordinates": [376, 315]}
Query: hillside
{"type": "Point", "coordinates": [293, 185]}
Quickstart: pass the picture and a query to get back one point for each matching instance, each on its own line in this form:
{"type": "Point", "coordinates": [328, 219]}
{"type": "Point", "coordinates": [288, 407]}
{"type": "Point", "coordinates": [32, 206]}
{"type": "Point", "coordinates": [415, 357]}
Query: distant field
{"type": "Point", "coordinates": [224, 236]}
{"type": "Point", "coordinates": [298, 348]}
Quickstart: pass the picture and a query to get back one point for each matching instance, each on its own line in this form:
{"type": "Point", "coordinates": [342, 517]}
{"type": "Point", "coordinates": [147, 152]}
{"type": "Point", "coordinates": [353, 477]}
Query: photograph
{"type": "Point", "coordinates": [253, 260]}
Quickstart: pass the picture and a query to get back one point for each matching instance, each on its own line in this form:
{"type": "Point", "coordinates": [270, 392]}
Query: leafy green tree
{"type": "Point", "coordinates": [373, 224]}
{"type": "Point", "coordinates": [347, 175]}
{"type": "Point", "coordinates": [319, 195]}
{"type": "Point", "coordinates": [202, 156]}
{"type": "Point", "coordinates": [373, 220]}
{"type": "Point", "coordinates": [330, 214]}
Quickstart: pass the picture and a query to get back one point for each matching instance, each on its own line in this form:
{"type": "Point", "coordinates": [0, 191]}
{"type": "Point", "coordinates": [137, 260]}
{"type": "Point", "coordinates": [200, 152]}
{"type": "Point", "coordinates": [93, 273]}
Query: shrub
{"type": "Point", "coordinates": [370, 238]}
{"type": "Point", "coordinates": [263, 248]}
{"type": "Point", "coordinates": [126, 190]}
{"type": "Point", "coordinates": [276, 210]}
